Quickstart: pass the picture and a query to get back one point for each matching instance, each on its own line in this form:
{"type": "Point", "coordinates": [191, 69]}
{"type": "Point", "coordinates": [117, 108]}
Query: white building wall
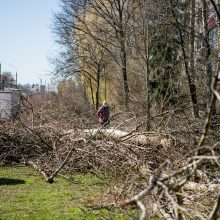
{"type": "Point", "coordinates": [5, 104]}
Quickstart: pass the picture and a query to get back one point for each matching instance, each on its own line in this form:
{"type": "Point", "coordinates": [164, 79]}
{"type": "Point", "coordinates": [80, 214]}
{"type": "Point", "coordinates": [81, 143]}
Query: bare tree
{"type": "Point", "coordinates": [189, 73]}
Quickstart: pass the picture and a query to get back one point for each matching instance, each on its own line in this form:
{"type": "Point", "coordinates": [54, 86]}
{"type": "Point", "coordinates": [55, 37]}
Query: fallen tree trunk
{"type": "Point", "coordinates": [136, 138]}
{"type": "Point", "coordinates": [151, 139]}
{"type": "Point", "coordinates": [193, 186]}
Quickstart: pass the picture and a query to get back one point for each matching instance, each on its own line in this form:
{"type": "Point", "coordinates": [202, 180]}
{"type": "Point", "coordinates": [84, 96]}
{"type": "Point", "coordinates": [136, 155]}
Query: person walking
{"type": "Point", "coordinates": [103, 114]}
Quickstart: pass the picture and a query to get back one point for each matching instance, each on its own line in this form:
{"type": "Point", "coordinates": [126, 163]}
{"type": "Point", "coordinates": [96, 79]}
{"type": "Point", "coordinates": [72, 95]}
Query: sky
{"type": "Point", "coordinates": [26, 39]}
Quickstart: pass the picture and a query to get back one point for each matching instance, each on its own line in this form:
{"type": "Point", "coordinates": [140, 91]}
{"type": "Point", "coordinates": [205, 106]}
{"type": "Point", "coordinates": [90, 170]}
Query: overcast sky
{"type": "Point", "coordinates": [26, 39]}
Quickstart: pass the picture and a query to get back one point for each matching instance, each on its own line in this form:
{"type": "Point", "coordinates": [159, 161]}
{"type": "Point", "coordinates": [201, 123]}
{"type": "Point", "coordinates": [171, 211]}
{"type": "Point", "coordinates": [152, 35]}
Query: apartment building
{"type": "Point", "coordinates": [211, 28]}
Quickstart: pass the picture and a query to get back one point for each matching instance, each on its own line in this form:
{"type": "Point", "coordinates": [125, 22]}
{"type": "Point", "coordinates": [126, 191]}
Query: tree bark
{"type": "Point", "coordinates": [192, 86]}
{"type": "Point", "coordinates": [97, 89]}
{"type": "Point", "coordinates": [193, 90]}
{"type": "Point", "coordinates": [209, 72]}
{"type": "Point", "coordinates": [147, 72]}
{"type": "Point", "coordinates": [123, 54]}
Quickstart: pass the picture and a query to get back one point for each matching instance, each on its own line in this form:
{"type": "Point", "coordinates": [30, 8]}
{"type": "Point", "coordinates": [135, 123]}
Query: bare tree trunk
{"type": "Point", "coordinates": [91, 90]}
{"type": "Point", "coordinates": [123, 54]}
{"type": "Point", "coordinates": [105, 85]}
{"type": "Point", "coordinates": [148, 126]}
{"type": "Point", "coordinates": [207, 47]}
{"type": "Point", "coordinates": [143, 51]}
{"type": "Point", "coordinates": [192, 87]}
{"type": "Point", "coordinates": [147, 72]}
{"type": "Point", "coordinates": [192, 62]}
{"type": "Point", "coordinates": [125, 77]}
{"type": "Point", "coordinates": [209, 71]}
{"type": "Point", "coordinates": [97, 89]}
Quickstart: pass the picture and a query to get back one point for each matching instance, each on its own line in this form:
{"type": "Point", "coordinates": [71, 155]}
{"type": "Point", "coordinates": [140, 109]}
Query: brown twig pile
{"type": "Point", "coordinates": [162, 171]}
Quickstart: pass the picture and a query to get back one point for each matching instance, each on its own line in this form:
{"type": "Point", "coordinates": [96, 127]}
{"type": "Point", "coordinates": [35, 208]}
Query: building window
{"type": "Point", "coordinates": [211, 11]}
{"type": "Point", "coordinates": [213, 37]}
{"type": "Point", "coordinates": [200, 44]}
{"type": "Point", "coordinates": [200, 17]}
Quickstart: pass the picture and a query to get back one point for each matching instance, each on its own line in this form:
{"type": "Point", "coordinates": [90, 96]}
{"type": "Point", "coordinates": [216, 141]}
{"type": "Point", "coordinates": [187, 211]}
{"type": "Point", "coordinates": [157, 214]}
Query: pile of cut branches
{"type": "Point", "coordinates": [160, 170]}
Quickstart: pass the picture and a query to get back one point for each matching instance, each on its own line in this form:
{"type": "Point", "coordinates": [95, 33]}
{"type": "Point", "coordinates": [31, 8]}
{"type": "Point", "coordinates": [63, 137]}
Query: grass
{"type": "Point", "coordinates": [25, 195]}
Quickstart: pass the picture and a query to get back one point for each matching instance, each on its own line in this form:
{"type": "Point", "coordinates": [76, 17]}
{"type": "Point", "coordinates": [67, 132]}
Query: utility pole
{"type": "Point", "coordinates": [16, 79]}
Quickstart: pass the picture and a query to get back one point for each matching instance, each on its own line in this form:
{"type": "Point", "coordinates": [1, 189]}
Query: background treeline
{"type": "Point", "coordinates": [143, 55]}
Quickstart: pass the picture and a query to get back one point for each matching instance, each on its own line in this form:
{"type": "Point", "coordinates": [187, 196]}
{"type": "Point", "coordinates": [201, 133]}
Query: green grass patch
{"type": "Point", "coordinates": [25, 195]}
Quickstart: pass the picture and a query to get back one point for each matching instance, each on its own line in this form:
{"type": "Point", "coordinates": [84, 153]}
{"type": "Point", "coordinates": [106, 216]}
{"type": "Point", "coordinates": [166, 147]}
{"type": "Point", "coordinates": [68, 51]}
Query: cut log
{"type": "Point", "coordinates": [201, 187]}
{"type": "Point", "coordinates": [136, 138]}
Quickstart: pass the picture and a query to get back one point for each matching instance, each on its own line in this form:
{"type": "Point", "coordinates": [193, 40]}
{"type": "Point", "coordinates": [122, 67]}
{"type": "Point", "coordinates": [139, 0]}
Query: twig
{"type": "Point", "coordinates": [153, 183]}
{"type": "Point", "coordinates": [214, 215]}
{"type": "Point", "coordinates": [37, 167]}
{"type": "Point", "coordinates": [209, 111]}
